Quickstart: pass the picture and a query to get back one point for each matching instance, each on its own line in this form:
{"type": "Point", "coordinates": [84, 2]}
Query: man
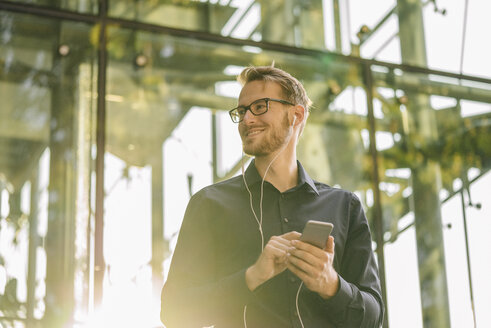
{"type": "Point", "coordinates": [223, 275]}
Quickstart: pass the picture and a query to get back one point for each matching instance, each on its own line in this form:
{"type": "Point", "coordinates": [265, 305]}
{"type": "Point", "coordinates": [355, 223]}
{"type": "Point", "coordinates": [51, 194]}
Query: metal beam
{"type": "Point", "coordinates": [157, 222]}
{"type": "Point", "coordinates": [99, 263]}
{"type": "Point", "coordinates": [425, 178]}
{"type": "Point", "coordinates": [34, 242]}
{"type": "Point", "coordinates": [377, 206]}
{"type": "Point", "coordinates": [426, 85]}
{"type": "Point", "coordinates": [365, 36]}
{"type": "Point", "coordinates": [337, 25]}
{"type": "Point", "coordinates": [59, 242]}
{"type": "Point", "coordinates": [215, 130]}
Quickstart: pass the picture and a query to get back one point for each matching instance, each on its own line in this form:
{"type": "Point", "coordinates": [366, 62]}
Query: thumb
{"type": "Point", "coordinates": [330, 245]}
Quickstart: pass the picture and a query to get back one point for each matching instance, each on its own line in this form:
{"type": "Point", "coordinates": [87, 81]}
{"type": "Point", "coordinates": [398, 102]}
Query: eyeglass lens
{"type": "Point", "coordinates": [258, 107]}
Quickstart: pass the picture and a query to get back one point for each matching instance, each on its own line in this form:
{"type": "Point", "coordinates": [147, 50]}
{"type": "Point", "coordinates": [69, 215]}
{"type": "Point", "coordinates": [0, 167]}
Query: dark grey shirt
{"type": "Point", "coordinates": [220, 239]}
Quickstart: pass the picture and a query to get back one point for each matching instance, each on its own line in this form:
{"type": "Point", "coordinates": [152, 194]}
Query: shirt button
{"type": "Point", "coordinates": [285, 220]}
{"type": "Point", "coordinates": [292, 279]}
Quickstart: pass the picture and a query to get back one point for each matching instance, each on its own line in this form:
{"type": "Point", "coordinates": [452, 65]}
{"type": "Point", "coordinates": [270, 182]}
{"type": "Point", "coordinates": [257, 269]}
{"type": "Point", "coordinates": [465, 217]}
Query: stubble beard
{"type": "Point", "coordinates": [276, 138]}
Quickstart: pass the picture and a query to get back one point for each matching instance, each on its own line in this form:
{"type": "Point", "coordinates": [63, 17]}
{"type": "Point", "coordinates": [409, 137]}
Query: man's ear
{"type": "Point", "coordinates": [299, 114]}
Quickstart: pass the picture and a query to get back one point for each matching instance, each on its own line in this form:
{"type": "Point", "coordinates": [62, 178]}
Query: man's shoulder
{"type": "Point", "coordinates": [221, 188]}
{"type": "Point", "coordinates": [324, 187]}
{"type": "Point", "coordinates": [335, 191]}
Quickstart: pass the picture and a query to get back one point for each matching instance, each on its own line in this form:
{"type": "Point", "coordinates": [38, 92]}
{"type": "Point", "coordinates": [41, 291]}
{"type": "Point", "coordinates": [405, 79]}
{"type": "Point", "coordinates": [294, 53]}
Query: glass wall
{"type": "Point", "coordinates": [414, 144]}
{"type": "Point", "coordinates": [301, 21]}
{"type": "Point", "coordinates": [47, 127]}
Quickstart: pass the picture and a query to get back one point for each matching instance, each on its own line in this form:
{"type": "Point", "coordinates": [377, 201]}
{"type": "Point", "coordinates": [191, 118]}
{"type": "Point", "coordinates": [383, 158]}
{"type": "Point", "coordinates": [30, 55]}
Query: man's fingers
{"type": "Point", "coordinates": [305, 256]}
{"type": "Point", "coordinates": [311, 249]}
{"type": "Point", "coordinates": [312, 255]}
{"type": "Point", "coordinates": [292, 235]}
{"type": "Point", "coordinates": [296, 270]}
{"type": "Point", "coordinates": [330, 245]}
{"type": "Point", "coordinates": [303, 275]}
{"type": "Point", "coordinates": [277, 248]}
{"type": "Point", "coordinates": [300, 263]}
{"type": "Point", "coordinates": [280, 242]}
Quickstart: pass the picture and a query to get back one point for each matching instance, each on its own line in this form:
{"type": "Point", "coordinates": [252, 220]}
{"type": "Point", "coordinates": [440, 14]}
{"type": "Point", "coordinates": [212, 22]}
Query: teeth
{"type": "Point", "coordinates": [253, 132]}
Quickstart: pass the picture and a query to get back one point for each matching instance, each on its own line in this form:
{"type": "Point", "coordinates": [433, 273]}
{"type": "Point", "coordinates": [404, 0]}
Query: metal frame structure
{"type": "Point", "coordinates": [371, 80]}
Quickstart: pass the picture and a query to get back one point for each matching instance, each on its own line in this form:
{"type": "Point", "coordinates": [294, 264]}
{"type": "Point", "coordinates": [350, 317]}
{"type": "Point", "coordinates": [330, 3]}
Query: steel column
{"type": "Point", "coordinates": [34, 242]}
{"type": "Point", "coordinates": [425, 177]}
{"type": "Point", "coordinates": [99, 263]}
{"type": "Point", "coordinates": [337, 25]}
{"type": "Point", "coordinates": [157, 222]}
{"type": "Point", "coordinates": [214, 146]}
{"type": "Point", "coordinates": [377, 206]}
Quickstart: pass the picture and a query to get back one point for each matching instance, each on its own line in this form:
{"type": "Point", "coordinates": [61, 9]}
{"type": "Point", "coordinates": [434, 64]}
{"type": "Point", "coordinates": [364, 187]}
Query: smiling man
{"type": "Point", "coordinates": [239, 261]}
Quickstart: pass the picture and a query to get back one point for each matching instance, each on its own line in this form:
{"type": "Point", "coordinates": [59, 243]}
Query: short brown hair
{"type": "Point", "coordinates": [293, 90]}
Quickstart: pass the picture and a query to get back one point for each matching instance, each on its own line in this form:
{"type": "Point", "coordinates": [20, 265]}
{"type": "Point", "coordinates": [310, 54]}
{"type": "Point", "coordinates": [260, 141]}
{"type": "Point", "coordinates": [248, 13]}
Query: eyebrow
{"type": "Point", "coordinates": [244, 105]}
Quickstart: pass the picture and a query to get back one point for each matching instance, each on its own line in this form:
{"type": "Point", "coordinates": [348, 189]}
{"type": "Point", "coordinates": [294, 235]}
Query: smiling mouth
{"type": "Point", "coordinates": [253, 132]}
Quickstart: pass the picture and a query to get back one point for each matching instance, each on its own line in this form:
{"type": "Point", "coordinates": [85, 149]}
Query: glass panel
{"type": "Point", "coordinates": [296, 23]}
{"type": "Point", "coordinates": [167, 97]}
{"type": "Point", "coordinates": [433, 137]}
{"type": "Point", "coordinates": [81, 6]}
{"type": "Point", "coordinates": [47, 129]}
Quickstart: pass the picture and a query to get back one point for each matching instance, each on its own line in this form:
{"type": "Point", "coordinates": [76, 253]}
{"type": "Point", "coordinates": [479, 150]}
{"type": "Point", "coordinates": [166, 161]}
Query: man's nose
{"type": "Point", "coordinates": [248, 116]}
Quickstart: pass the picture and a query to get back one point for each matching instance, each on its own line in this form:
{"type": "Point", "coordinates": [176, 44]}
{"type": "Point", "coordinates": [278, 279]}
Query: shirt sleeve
{"type": "Point", "coordinates": [358, 302]}
{"type": "Point", "coordinates": [192, 295]}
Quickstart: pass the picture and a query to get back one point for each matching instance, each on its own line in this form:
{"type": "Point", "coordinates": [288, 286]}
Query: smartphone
{"type": "Point", "coordinates": [316, 233]}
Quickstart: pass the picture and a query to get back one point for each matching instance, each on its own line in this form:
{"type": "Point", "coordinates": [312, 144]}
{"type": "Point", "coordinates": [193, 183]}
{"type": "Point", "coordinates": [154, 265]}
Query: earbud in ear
{"type": "Point", "coordinates": [294, 120]}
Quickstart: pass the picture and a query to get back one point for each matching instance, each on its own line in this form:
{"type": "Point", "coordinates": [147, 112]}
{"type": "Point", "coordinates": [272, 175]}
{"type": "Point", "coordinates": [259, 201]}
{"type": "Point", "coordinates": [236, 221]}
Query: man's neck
{"type": "Point", "coordinates": [283, 173]}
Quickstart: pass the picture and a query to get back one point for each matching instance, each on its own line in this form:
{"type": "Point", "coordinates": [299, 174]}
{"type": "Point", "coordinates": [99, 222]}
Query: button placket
{"type": "Point", "coordinates": [284, 213]}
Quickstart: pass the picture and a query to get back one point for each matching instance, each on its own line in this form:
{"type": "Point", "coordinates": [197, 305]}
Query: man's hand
{"type": "Point", "coordinates": [314, 267]}
{"type": "Point", "coordinates": [271, 262]}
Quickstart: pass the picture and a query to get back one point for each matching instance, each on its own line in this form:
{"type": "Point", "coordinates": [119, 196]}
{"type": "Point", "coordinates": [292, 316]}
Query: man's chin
{"type": "Point", "coordinates": [252, 151]}
{"type": "Point", "coordinates": [249, 152]}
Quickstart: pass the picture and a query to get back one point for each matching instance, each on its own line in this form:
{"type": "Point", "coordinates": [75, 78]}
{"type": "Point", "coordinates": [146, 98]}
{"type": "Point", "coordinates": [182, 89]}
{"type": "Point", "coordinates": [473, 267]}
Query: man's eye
{"type": "Point", "coordinates": [259, 107]}
{"type": "Point", "coordinates": [241, 111]}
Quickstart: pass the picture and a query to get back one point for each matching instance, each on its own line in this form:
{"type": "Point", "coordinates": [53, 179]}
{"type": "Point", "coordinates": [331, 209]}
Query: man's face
{"type": "Point", "coordinates": [262, 135]}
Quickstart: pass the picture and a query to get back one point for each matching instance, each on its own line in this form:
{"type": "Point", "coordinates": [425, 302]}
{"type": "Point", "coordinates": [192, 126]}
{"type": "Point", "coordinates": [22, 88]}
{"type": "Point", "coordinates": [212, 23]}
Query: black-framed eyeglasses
{"type": "Point", "coordinates": [257, 107]}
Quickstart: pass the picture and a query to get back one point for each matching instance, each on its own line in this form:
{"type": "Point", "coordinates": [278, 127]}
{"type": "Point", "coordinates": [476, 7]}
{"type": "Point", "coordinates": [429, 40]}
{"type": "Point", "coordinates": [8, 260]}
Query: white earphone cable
{"type": "Point", "coordinates": [296, 304]}
{"type": "Point", "coordinates": [259, 222]}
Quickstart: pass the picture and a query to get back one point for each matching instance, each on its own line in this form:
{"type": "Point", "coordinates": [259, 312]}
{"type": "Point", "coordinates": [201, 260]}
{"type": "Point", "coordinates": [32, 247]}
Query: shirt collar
{"type": "Point", "coordinates": [253, 177]}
